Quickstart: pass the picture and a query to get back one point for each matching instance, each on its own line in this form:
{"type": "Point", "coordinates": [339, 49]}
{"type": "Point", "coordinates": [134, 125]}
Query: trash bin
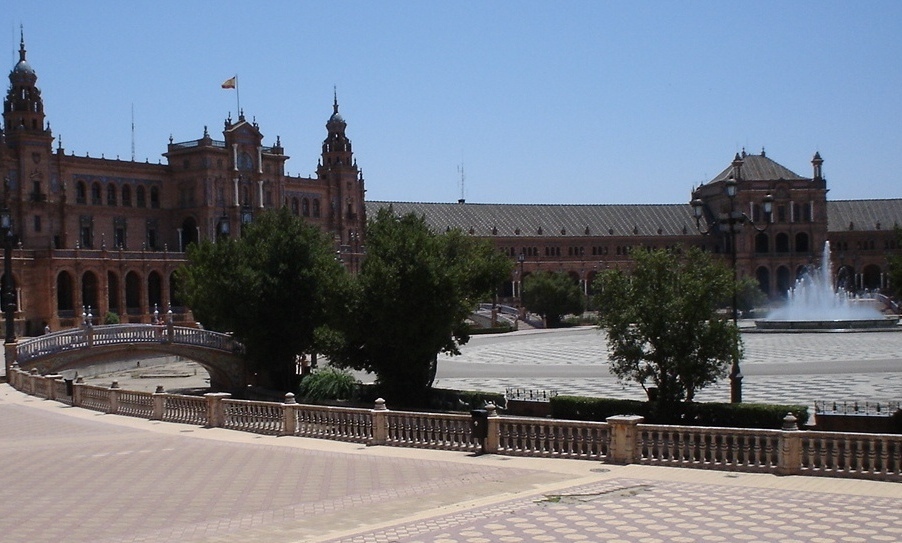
{"type": "Point", "coordinates": [479, 423]}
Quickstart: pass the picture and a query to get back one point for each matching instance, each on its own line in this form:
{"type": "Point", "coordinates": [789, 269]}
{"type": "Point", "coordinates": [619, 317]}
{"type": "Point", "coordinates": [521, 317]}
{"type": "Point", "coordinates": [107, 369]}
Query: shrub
{"type": "Point", "coordinates": [744, 415]}
{"type": "Point", "coordinates": [328, 383]}
{"type": "Point", "coordinates": [111, 318]}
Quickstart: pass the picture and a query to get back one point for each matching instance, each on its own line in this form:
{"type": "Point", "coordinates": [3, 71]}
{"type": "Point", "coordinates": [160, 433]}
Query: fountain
{"type": "Point", "coordinates": [814, 303]}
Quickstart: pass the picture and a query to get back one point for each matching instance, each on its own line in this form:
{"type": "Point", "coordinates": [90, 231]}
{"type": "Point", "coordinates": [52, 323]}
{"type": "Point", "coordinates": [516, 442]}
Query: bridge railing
{"type": "Point", "coordinates": [620, 439]}
{"type": "Point", "coordinates": [118, 334]}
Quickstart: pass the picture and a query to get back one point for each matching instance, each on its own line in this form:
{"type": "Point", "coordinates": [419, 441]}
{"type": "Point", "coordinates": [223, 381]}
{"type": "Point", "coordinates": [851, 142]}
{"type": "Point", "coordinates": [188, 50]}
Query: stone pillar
{"type": "Point", "coordinates": [77, 387]}
{"type": "Point", "coordinates": [623, 448]}
{"type": "Point", "coordinates": [159, 403]}
{"type": "Point", "coordinates": [114, 398]}
{"type": "Point", "coordinates": [790, 456]}
{"type": "Point", "coordinates": [380, 423]}
{"type": "Point", "coordinates": [50, 381]}
{"type": "Point", "coordinates": [10, 351]}
{"type": "Point", "coordinates": [493, 437]}
{"type": "Point", "coordinates": [215, 413]}
{"type": "Point", "coordinates": [289, 415]}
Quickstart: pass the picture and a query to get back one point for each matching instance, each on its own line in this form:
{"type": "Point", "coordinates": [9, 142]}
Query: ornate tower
{"type": "Point", "coordinates": [338, 171]}
{"type": "Point", "coordinates": [29, 188]}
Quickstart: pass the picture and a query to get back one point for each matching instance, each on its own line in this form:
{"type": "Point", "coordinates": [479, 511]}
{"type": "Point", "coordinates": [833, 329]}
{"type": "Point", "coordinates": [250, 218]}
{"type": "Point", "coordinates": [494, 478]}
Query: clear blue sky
{"type": "Point", "coordinates": [542, 102]}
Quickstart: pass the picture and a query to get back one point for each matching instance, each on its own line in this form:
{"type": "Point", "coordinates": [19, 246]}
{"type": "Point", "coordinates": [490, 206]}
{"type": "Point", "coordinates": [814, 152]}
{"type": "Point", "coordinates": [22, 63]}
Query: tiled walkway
{"type": "Point", "coordinates": [71, 475]}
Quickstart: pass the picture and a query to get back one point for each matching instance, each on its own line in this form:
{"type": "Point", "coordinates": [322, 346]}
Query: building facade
{"type": "Point", "coordinates": [97, 235]}
{"type": "Point", "coordinates": [94, 236]}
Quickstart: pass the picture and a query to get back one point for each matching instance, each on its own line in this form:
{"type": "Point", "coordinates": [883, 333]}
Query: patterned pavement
{"type": "Point", "coordinates": [77, 476]}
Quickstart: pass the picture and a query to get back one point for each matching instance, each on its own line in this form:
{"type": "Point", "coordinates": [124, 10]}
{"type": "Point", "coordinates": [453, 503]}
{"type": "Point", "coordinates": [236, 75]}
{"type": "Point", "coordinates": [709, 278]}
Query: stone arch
{"type": "Point", "coordinates": [140, 196]}
{"type": "Point", "coordinates": [111, 194]}
{"type": "Point", "coordinates": [175, 293]}
{"type": "Point", "coordinates": [305, 207]}
{"type": "Point", "coordinates": [127, 195]}
{"type": "Point", "coordinates": [845, 278]}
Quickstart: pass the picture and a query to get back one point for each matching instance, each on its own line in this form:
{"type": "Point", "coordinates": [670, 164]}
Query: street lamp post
{"type": "Point", "coordinates": [9, 296]}
{"type": "Point", "coordinates": [733, 222]}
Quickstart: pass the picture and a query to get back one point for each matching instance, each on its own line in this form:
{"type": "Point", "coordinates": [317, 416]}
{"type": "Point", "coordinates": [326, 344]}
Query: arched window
{"type": "Point", "coordinates": [316, 207]}
{"type": "Point", "coordinates": [762, 243]}
{"type": "Point", "coordinates": [781, 242]}
{"type": "Point", "coordinates": [89, 292]}
{"type": "Point", "coordinates": [111, 194]}
{"type": "Point", "coordinates": [802, 242]}
{"type": "Point", "coordinates": [65, 303]}
{"type": "Point", "coordinates": [132, 294]}
{"type": "Point", "coordinates": [175, 294]}
{"type": "Point", "coordinates": [784, 281]}
{"type": "Point", "coordinates": [305, 207]}
{"type": "Point", "coordinates": [96, 194]}
{"type": "Point", "coordinates": [127, 195]}
{"type": "Point", "coordinates": [81, 193]}
{"type": "Point", "coordinates": [295, 207]}
{"type": "Point", "coordinates": [141, 197]}
{"type": "Point", "coordinates": [155, 197]}
{"type": "Point", "coordinates": [870, 277]}
{"type": "Point", "coordinates": [112, 292]}
{"type": "Point", "coordinates": [155, 290]}
{"type": "Point", "coordinates": [762, 274]}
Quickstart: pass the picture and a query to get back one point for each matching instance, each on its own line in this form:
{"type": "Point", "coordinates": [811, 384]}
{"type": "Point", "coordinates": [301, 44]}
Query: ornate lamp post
{"type": "Point", "coordinates": [730, 224]}
{"type": "Point", "coordinates": [9, 296]}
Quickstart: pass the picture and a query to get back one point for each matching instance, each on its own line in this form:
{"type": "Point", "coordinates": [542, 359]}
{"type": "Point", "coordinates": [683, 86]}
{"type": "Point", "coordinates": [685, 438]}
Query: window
{"type": "Point", "coordinates": [111, 194]}
{"type": "Point", "coordinates": [155, 197]}
{"type": "Point", "coordinates": [316, 208]}
{"type": "Point", "coordinates": [96, 194]}
{"type": "Point", "coordinates": [127, 196]}
{"type": "Point", "coordinates": [141, 196]}
{"type": "Point", "coordinates": [81, 193]}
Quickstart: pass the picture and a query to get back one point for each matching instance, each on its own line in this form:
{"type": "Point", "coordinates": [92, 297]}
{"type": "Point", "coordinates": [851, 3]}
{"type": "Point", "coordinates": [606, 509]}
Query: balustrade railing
{"type": "Point", "coordinates": [690, 446]}
{"type": "Point", "coordinates": [621, 439]}
{"type": "Point", "coordinates": [430, 431]}
{"type": "Point", "coordinates": [117, 334]}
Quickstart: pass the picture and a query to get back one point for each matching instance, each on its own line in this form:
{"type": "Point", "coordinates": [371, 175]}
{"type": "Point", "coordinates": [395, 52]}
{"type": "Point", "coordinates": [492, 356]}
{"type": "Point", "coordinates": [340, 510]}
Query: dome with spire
{"type": "Point", "coordinates": [22, 67]}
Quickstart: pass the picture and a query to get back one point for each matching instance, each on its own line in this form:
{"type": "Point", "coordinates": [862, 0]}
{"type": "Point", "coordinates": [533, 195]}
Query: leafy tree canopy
{"type": "Point", "coordinates": [271, 287]}
{"type": "Point", "coordinates": [552, 295]}
{"type": "Point", "coordinates": [410, 301]}
{"type": "Point", "coordinates": [662, 325]}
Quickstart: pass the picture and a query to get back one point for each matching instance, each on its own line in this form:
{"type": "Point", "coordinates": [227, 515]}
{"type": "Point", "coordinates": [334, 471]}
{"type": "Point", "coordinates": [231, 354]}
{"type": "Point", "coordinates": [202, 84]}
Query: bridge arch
{"type": "Point", "coordinates": [75, 348]}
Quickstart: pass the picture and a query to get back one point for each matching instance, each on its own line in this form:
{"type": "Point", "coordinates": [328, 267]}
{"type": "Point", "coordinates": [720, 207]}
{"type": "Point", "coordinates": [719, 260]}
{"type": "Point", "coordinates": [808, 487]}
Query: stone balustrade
{"type": "Point", "coordinates": [619, 440]}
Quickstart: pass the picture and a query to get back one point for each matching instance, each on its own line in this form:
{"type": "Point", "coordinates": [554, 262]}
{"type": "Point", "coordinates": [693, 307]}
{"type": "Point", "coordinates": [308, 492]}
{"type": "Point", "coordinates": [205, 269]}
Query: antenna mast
{"type": "Point", "coordinates": [133, 131]}
{"type": "Point", "coordinates": [460, 170]}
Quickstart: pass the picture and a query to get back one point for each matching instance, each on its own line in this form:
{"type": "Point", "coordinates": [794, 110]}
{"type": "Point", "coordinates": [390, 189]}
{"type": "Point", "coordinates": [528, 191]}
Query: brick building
{"type": "Point", "coordinates": [105, 235]}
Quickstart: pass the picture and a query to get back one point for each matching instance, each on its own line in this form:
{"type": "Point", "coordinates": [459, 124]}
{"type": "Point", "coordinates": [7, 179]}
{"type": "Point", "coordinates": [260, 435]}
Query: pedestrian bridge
{"type": "Point", "coordinates": [74, 348]}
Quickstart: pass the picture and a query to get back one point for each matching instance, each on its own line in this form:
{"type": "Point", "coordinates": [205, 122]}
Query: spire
{"type": "Point", "coordinates": [334, 99]}
{"type": "Point", "coordinates": [21, 43]}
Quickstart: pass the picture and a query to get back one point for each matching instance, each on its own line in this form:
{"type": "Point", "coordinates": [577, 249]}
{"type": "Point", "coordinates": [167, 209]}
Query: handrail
{"type": "Point", "coordinates": [620, 439]}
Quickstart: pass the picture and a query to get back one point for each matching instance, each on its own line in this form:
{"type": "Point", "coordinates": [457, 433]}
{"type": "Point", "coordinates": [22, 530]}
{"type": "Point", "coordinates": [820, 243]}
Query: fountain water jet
{"type": "Point", "coordinates": [814, 303]}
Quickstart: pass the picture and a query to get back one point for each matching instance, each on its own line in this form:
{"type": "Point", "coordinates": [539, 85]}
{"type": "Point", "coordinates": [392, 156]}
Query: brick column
{"type": "Point", "coordinates": [380, 424]}
{"type": "Point", "coordinates": [624, 439]}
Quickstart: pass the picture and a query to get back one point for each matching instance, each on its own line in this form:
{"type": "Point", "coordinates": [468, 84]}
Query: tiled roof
{"type": "Point", "coordinates": [864, 214]}
{"type": "Point", "coordinates": [551, 220]}
{"type": "Point", "coordinates": [760, 168]}
{"type": "Point", "coordinates": [600, 220]}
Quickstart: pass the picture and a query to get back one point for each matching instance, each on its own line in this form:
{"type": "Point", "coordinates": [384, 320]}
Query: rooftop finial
{"type": "Point", "coordinates": [21, 42]}
{"type": "Point", "coordinates": [335, 99]}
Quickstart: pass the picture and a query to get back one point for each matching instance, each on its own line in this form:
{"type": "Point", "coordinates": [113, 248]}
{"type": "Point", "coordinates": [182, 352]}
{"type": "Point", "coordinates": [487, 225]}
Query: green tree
{"type": "Point", "coordinates": [552, 295]}
{"type": "Point", "coordinates": [662, 325]}
{"type": "Point", "coordinates": [748, 295]}
{"type": "Point", "coordinates": [271, 287]}
{"type": "Point", "coordinates": [410, 301]}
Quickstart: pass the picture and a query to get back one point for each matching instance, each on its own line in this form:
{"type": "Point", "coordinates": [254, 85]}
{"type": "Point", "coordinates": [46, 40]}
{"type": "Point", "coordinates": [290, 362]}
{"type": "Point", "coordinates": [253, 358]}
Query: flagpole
{"type": "Point", "coordinates": [237, 95]}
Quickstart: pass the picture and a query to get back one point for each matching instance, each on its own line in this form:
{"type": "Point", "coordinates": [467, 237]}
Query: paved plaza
{"type": "Point", "coordinates": [73, 475]}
